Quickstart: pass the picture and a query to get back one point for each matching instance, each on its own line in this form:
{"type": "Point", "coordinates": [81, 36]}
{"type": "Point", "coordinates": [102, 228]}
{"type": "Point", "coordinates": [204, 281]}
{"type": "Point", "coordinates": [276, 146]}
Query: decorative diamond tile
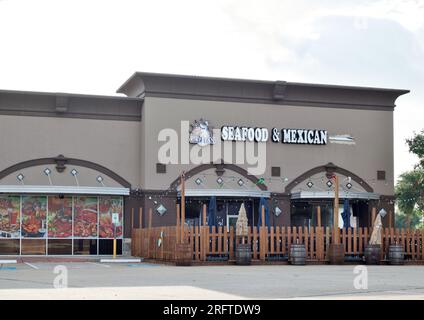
{"type": "Point", "coordinates": [161, 209]}
{"type": "Point", "coordinates": [310, 184]}
{"type": "Point", "coordinates": [240, 182]}
{"type": "Point", "coordinates": [198, 181]}
{"type": "Point", "coordinates": [329, 184]}
{"type": "Point", "coordinates": [277, 211]}
{"type": "Point", "coordinates": [220, 180]}
{"type": "Point", "coordinates": [382, 212]}
{"type": "Point", "coordinates": [348, 185]}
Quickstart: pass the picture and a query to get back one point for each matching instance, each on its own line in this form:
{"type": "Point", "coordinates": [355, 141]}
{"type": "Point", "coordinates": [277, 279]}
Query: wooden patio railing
{"type": "Point", "coordinates": [273, 243]}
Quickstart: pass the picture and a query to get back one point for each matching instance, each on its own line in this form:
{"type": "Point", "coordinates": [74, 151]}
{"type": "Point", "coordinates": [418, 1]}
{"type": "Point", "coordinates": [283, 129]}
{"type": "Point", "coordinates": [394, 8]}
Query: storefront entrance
{"type": "Point", "coordinates": [227, 210]}
{"type": "Point", "coordinates": [60, 224]}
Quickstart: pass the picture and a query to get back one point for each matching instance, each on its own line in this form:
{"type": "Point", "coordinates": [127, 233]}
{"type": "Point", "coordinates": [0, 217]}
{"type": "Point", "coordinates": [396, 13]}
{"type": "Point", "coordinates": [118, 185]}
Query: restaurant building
{"type": "Point", "coordinates": [76, 169]}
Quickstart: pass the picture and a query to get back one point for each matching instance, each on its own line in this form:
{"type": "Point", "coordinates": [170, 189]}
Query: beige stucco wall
{"type": "Point", "coordinates": [110, 143]}
{"type": "Point", "coordinates": [372, 130]}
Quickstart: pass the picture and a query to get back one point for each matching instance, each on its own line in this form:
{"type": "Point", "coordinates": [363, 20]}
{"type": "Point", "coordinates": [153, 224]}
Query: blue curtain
{"type": "Point", "coordinates": [211, 217]}
{"type": "Point", "coordinates": [263, 202]}
{"type": "Point", "coordinates": [346, 214]}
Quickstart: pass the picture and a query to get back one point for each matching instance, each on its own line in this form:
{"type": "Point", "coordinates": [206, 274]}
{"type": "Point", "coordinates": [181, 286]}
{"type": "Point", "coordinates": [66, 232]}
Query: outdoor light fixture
{"type": "Point", "coordinates": [47, 172]}
{"type": "Point", "coordinates": [100, 180]}
{"type": "Point", "coordinates": [240, 182]}
{"type": "Point", "coordinates": [382, 212]}
{"type": "Point", "coordinates": [198, 181]}
{"type": "Point", "coordinates": [20, 177]}
{"type": "Point", "coordinates": [219, 181]}
{"type": "Point", "coordinates": [74, 173]}
{"type": "Point", "coordinates": [310, 184]}
{"type": "Point", "coordinates": [329, 183]}
{"type": "Point", "coordinates": [348, 185]}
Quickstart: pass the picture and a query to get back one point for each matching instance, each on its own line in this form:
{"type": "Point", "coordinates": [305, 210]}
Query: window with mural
{"type": "Point", "coordinates": [34, 210]}
{"type": "Point", "coordinates": [10, 216]}
{"type": "Point", "coordinates": [85, 217]}
{"type": "Point", "coordinates": [65, 225]}
{"type": "Point", "coordinates": [59, 217]}
{"type": "Point", "coordinates": [108, 208]}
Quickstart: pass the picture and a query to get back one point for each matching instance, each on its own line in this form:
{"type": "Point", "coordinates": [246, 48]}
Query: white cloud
{"type": "Point", "coordinates": [92, 46]}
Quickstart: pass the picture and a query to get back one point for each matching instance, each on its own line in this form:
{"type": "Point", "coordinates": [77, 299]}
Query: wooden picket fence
{"type": "Point", "coordinates": [268, 243]}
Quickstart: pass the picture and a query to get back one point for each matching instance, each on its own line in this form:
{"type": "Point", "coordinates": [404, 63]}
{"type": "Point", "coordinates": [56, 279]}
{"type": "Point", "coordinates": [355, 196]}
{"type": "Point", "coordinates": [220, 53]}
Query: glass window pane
{"type": "Point", "coordinates": [59, 246]}
{"type": "Point", "coordinates": [9, 246]}
{"type": "Point", "coordinates": [59, 217]}
{"type": "Point", "coordinates": [33, 246]}
{"type": "Point", "coordinates": [106, 246]}
{"type": "Point", "coordinates": [85, 246]}
{"type": "Point", "coordinates": [10, 216]}
{"type": "Point", "coordinates": [107, 207]}
{"type": "Point", "coordinates": [34, 216]}
{"type": "Point", "coordinates": [85, 217]}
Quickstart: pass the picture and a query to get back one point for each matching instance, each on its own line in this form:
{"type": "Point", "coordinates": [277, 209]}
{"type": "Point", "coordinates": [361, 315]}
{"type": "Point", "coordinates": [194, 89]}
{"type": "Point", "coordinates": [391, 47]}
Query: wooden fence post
{"type": "Point", "coordinates": [204, 240]}
{"type": "Point", "coordinates": [140, 217]}
{"type": "Point", "coordinates": [373, 212]}
{"type": "Point", "coordinates": [319, 216]}
{"type": "Point", "coordinates": [177, 236]}
{"type": "Point", "coordinates": [262, 236]}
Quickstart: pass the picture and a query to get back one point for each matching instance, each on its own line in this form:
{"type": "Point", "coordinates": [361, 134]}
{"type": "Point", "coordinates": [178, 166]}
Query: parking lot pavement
{"type": "Point", "coordinates": [154, 281]}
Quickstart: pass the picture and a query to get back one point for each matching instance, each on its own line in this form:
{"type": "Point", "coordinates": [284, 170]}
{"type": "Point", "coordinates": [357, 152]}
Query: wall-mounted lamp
{"type": "Point", "coordinates": [48, 172]}
{"type": "Point", "coordinates": [74, 173]}
{"type": "Point", "coordinates": [100, 180]}
{"type": "Point", "coordinates": [20, 178]}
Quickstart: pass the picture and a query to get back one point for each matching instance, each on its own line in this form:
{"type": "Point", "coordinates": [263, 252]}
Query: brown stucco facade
{"type": "Point", "coordinates": [116, 139]}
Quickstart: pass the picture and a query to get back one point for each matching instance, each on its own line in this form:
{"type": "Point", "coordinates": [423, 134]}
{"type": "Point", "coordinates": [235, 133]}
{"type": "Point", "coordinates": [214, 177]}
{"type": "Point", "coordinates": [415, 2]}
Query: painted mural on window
{"type": "Point", "coordinates": [85, 217]}
{"type": "Point", "coordinates": [10, 216]}
{"type": "Point", "coordinates": [59, 217]}
{"type": "Point", "coordinates": [34, 210]}
{"type": "Point", "coordinates": [108, 207]}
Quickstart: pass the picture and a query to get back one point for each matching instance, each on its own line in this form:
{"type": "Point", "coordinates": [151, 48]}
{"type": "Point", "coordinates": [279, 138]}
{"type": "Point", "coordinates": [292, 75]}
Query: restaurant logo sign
{"type": "Point", "coordinates": [289, 136]}
{"type": "Point", "coordinates": [200, 133]}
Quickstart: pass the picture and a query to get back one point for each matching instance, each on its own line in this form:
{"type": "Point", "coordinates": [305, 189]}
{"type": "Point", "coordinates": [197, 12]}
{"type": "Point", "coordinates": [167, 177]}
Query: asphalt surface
{"type": "Point", "coordinates": [94, 280]}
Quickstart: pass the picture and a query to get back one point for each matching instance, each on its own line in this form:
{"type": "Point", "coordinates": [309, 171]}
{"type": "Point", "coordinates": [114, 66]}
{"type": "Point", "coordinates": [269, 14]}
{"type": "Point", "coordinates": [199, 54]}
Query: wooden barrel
{"type": "Point", "coordinates": [336, 254]}
{"type": "Point", "coordinates": [372, 254]}
{"type": "Point", "coordinates": [183, 254]}
{"type": "Point", "coordinates": [243, 254]}
{"type": "Point", "coordinates": [298, 254]}
{"type": "Point", "coordinates": [396, 254]}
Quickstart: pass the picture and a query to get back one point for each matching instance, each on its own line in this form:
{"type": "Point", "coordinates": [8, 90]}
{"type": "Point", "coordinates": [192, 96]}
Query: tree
{"type": "Point", "coordinates": [416, 146]}
{"type": "Point", "coordinates": [411, 221]}
{"type": "Point", "coordinates": [410, 187]}
{"type": "Point", "coordinates": [409, 193]}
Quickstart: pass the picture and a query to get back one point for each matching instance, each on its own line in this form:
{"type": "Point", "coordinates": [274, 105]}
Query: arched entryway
{"type": "Point", "coordinates": [231, 186]}
{"type": "Point", "coordinates": [61, 206]}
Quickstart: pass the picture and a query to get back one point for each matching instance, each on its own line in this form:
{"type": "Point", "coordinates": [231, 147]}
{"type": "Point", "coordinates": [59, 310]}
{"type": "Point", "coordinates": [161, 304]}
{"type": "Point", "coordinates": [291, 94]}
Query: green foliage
{"type": "Point", "coordinates": [412, 220]}
{"type": "Point", "coordinates": [416, 146]}
{"type": "Point", "coordinates": [410, 187]}
{"type": "Point", "coordinates": [409, 191]}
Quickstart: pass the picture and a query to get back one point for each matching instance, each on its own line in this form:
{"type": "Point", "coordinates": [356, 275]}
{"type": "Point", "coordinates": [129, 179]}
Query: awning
{"type": "Point", "coordinates": [63, 190]}
{"type": "Point", "coordinates": [226, 193]}
{"type": "Point", "coordinates": [330, 195]}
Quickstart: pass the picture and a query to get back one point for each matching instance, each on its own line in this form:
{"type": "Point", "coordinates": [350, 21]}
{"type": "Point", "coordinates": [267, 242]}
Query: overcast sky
{"type": "Point", "coordinates": [92, 46]}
